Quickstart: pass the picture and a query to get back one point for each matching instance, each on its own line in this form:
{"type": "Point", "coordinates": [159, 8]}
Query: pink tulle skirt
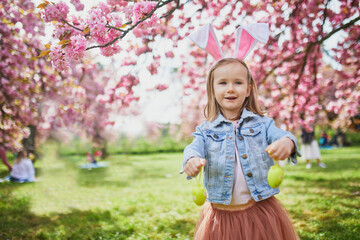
{"type": "Point", "coordinates": [267, 219]}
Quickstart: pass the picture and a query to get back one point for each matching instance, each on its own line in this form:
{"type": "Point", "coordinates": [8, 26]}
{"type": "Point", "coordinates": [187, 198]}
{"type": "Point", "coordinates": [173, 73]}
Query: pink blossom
{"type": "Point", "coordinates": [142, 8]}
{"type": "Point", "coordinates": [128, 11]}
{"type": "Point", "coordinates": [116, 19]}
{"type": "Point", "coordinates": [105, 9]}
{"type": "Point", "coordinates": [75, 50]}
{"type": "Point", "coordinates": [57, 58]}
{"type": "Point", "coordinates": [141, 50]}
{"type": "Point", "coordinates": [61, 30]}
{"type": "Point", "coordinates": [110, 50]}
{"type": "Point", "coordinates": [56, 52]}
{"type": "Point", "coordinates": [339, 94]}
{"type": "Point", "coordinates": [129, 62]}
{"type": "Point", "coordinates": [121, 92]}
{"type": "Point", "coordinates": [78, 5]}
{"type": "Point", "coordinates": [169, 54]}
{"type": "Point", "coordinates": [103, 99]}
{"type": "Point", "coordinates": [56, 12]}
{"type": "Point", "coordinates": [78, 92]}
{"type": "Point", "coordinates": [97, 22]}
{"type": "Point", "coordinates": [138, 32]}
{"type": "Point", "coordinates": [275, 94]}
{"type": "Point", "coordinates": [153, 67]}
{"type": "Point", "coordinates": [121, 3]}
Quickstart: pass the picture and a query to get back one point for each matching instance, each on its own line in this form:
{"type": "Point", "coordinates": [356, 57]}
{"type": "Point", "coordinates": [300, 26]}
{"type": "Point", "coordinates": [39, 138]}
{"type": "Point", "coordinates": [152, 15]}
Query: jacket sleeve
{"type": "Point", "coordinates": [274, 133]}
{"type": "Point", "coordinates": [194, 149]}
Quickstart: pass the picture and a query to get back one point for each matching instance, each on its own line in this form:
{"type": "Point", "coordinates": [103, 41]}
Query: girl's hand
{"type": "Point", "coordinates": [280, 149]}
{"type": "Point", "coordinates": [193, 166]}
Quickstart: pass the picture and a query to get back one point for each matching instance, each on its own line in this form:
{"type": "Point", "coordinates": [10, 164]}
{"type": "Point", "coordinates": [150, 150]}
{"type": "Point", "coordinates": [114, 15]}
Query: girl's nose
{"type": "Point", "coordinates": [230, 87]}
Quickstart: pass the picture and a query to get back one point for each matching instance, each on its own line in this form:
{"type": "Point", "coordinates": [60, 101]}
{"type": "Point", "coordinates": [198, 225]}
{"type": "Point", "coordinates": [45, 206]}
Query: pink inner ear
{"type": "Point", "coordinates": [245, 43]}
{"type": "Point", "coordinates": [213, 48]}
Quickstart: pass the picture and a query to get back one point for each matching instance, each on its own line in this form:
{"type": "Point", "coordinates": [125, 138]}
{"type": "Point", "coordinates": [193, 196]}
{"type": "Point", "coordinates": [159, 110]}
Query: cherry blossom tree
{"type": "Point", "coordinates": [23, 77]}
{"type": "Point", "coordinates": [33, 97]}
{"type": "Point", "coordinates": [104, 93]}
{"type": "Point", "coordinates": [287, 69]}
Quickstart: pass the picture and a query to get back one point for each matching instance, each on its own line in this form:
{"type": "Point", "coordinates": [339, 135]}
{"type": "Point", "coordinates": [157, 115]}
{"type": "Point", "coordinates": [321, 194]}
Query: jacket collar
{"type": "Point", "coordinates": [220, 118]}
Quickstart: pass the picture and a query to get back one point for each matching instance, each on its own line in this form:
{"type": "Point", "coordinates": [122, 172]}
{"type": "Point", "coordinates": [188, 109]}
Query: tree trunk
{"type": "Point", "coordinates": [29, 143]}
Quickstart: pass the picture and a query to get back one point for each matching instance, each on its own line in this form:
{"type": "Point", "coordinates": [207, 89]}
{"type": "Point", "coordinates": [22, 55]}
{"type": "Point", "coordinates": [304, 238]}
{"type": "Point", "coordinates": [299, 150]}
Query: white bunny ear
{"type": "Point", "coordinates": [248, 36]}
{"type": "Point", "coordinates": [206, 39]}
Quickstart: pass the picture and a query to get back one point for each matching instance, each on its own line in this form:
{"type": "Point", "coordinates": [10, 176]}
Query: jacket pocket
{"type": "Point", "coordinates": [253, 136]}
{"type": "Point", "coordinates": [214, 141]}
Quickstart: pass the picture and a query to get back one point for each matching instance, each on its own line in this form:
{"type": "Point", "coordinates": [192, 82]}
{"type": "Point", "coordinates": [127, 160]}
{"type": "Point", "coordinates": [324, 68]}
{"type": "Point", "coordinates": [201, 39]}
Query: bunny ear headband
{"type": "Point", "coordinates": [246, 39]}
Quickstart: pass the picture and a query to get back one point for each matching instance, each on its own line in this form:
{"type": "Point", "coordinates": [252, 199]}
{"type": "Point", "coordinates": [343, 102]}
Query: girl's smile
{"type": "Point", "coordinates": [231, 98]}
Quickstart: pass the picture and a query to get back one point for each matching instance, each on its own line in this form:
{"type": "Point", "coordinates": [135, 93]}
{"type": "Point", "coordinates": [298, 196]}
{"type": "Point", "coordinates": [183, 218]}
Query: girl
{"type": "Point", "coordinates": [236, 145]}
{"type": "Point", "coordinates": [23, 169]}
{"type": "Point", "coordinates": [310, 148]}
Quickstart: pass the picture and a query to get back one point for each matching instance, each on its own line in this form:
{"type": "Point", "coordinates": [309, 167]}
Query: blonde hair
{"type": "Point", "coordinates": [213, 109]}
{"type": "Point", "coordinates": [20, 155]}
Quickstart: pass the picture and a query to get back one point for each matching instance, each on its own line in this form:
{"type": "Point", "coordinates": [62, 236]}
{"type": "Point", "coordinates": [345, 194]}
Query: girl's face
{"type": "Point", "coordinates": [231, 87]}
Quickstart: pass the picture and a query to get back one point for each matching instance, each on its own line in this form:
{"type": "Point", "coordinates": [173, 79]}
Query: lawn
{"type": "Point", "coordinates": [144, 197]}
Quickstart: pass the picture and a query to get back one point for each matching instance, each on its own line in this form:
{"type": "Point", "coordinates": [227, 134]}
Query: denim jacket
{"type": "Point", "coordinates": [215, 141]}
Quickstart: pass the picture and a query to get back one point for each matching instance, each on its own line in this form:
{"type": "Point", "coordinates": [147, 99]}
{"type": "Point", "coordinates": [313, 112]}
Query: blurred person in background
{"type": "Point", "coordinates": [23, 169]}
{"type": "Point", "coordinates": [310, 148]}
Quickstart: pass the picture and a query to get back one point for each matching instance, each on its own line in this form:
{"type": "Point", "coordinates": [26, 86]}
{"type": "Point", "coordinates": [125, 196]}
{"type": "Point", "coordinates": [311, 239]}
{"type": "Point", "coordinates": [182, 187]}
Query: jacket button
{"type": "Point", "coordinates": [249, 174]}
{"type": "Point", "coordinates": [251, 130]}
{"type": "Point", "coordinates": [260, 197]}
{"type": "Point", "coordinates": [216, 136]}
{"type": "Point", "coordinates": [244, 156]}
{"type": "Point", "coordinates": [240, 138]}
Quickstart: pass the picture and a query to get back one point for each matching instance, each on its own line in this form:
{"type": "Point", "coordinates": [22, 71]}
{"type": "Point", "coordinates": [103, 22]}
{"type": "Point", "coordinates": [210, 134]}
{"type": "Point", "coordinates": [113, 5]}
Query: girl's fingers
{"type": "Point", "coordinates": [188, 169]}
{"type": "Point", "coordinates": [268, 149]}
{"type": "Point", "coordinates": [190, 172]}
{"type": "Point", "coordinates": [280, 149]}
{"type": "Point", "coordinates": [203, 162]}
{"type": "Point", "coordinates": [193, 169]}
{"type": "Point", "coordinates": [274, 152]}
{"type": "Point", "coordinates": [271, 149]}
{"type": "Point", "coordinates": [193, 166]}
{"type": "Point", "coordinates": [280, 154]}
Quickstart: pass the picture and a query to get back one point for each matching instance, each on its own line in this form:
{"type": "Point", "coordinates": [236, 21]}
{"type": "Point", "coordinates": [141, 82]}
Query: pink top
{"type": "Point", "coordinates": [241, 193]}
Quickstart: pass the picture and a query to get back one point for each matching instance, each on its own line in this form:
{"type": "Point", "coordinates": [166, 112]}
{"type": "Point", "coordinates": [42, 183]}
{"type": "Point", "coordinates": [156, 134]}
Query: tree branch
{"type": "Point", "coordinates": [172, 10]}
{"type": "Point", "coordinates": [325, 16]}
{"type": "Point", "coordinates": [159, 5]}
{"type": "Point", "coordinates": [79, 29]}
{"type": "Point", "coordinates": [310, 45]}
{"type": "Point", "coordinates": [349, 24]}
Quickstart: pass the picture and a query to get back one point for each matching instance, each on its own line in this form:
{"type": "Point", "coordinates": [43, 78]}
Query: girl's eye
{"type": "Point", "coordinates": [222, 83]}
{"type": "Point", "coordinates": [239, 83]}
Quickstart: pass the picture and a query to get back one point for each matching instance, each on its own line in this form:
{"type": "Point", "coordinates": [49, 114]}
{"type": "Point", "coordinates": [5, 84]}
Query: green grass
{"type": "Point", "coordinates": [144, 197]}
{"type": "Point", "coordinates": [125, 145]}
